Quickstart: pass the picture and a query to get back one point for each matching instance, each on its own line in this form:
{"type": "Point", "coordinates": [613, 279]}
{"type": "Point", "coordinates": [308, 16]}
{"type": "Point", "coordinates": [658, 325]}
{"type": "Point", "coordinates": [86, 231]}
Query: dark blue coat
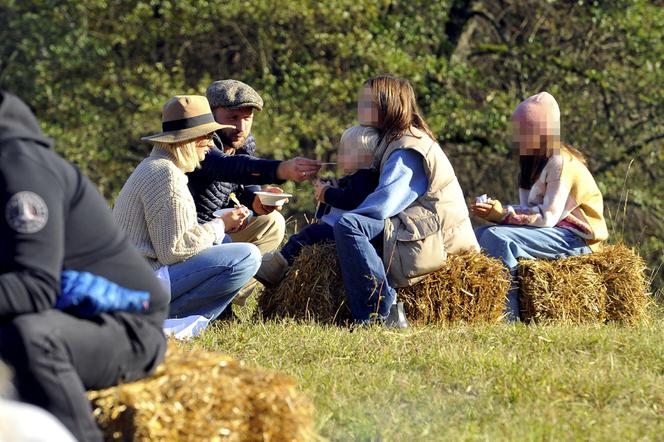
{"type": "Point", "coordinates": [350, 192]}
{"type": "Point", "coordinates": [220, 174]}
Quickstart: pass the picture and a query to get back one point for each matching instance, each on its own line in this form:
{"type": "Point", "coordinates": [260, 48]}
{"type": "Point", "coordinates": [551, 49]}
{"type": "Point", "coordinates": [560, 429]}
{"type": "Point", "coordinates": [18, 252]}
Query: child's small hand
{"type": "Point", "coordinates": [320, 187]}
{"type": "Point", "coordinates": [330, 181]}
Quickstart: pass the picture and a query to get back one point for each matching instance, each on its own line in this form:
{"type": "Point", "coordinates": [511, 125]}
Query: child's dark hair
{"type": "Point", "coordinates": [531, 166]}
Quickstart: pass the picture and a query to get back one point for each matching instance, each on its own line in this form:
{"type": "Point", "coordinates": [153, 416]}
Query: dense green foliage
{"type": "Point", "coordinates": [97, 72]}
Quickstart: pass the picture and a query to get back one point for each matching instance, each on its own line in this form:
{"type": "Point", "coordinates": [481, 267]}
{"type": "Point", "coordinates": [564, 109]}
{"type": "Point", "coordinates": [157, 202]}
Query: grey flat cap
{"type": "Point", "coordinates": [233, 94]}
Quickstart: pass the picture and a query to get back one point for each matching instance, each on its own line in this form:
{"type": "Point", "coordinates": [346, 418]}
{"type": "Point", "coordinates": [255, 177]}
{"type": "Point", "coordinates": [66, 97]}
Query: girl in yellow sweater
{"type": "Point", "coordinates": [560, 212]}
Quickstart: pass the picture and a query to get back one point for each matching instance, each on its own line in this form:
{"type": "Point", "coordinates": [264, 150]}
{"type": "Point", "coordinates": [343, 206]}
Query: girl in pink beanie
{"type": "Point", "coordinates": [560, 212]}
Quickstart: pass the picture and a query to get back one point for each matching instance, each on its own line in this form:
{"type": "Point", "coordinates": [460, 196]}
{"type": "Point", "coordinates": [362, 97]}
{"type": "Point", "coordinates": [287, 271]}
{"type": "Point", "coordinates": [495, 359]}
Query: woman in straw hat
{"type": "Point", "coordinates": [157, 211]}
{"type": "Point", "coordinates": [561, 208]}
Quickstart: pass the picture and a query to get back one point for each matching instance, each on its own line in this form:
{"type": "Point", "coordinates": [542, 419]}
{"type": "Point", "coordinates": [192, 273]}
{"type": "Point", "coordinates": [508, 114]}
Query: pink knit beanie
{"type": "Point", "coordinates": [537, 115]}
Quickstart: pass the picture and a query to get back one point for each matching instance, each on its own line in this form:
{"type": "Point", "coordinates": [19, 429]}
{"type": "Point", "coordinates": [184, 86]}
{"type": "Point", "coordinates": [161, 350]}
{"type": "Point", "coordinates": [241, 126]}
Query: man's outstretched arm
{"type": "Point", "coordinates": [244, 169]}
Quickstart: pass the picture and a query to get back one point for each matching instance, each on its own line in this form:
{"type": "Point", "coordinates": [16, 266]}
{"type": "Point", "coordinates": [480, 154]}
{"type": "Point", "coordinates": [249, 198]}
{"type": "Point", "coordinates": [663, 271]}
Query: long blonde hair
{"type": "Point", "coordinates": [184, 154]}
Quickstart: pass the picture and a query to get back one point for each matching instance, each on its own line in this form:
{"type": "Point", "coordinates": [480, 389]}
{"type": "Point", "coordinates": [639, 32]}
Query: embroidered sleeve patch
{"type": "Point", "coordinates": [26, 212]}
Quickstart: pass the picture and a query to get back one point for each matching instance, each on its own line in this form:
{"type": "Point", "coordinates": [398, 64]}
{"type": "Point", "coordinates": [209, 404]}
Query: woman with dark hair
{"type": "Point", "coordinates": [561, 208]}
{"type": "Point", "coordinates": [416, 216]}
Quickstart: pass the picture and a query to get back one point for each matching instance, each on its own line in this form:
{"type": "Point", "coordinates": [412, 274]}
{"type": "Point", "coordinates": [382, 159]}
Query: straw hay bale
{"type": "Point", "coordinates": [199, 395]}
{"type": "Point", "coordinates": [624, 275]}
{"type": "Point", "coordinates": [311, 290]}
{"type": "Point", "coordinates": [609, 284]}
{"type": "Point", "coordinates": [471, 287]}
{"type": "Point", "coordinates": [561, 289]}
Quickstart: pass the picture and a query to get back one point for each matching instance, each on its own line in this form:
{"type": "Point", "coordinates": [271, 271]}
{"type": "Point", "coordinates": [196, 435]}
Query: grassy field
{"type": "Point", "coordinates": [505, 382]}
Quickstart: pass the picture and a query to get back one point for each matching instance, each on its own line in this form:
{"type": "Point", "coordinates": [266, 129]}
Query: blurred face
{"type": "Point", "coordinates": [241, 119]}
{"type": "Point", "coordinates": [367, 111]}
{"type": "Point", "coordinates": [203, 145]}
{"type": "Point", "coordinates": [351, 158]}
{"type": "Point", "coordinates": [531, 140]}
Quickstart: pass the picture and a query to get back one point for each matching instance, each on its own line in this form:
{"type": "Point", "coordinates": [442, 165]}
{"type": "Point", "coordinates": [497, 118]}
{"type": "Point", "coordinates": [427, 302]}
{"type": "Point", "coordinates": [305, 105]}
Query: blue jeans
{"type": "Point", "coordinates": [358, 240]}
{"type": "Point", "coordinates": [509, 243]}
{"type": "Point", "coordinates": [311, 234]}
{"type": "Point", "coordinates": [205, 284]}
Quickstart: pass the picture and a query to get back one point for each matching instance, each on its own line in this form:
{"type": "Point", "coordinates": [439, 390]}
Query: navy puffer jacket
{"type": "Point", "coordinates": [221, 174]}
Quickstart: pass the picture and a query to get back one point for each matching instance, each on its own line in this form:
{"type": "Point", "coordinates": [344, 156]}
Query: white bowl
{"type": "Point", "coordinates": [273, 199]}
{"type": "Point", "coordinates": [220, 212]}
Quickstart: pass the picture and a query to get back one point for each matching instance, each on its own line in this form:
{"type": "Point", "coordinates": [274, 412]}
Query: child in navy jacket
{"type": "Point", "coordinates": [355, 158]}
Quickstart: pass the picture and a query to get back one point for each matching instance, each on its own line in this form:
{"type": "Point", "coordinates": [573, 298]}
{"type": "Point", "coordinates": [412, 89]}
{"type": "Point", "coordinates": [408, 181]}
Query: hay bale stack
{"type": "Point", "coordinates": [471, 287]}
{"type": "Point", "coordinates": [609, 284]}
{"type": "Point", "coordinates": [198, 395]}
{"type": "Point", "coordinates": [624, 274]}
{"type": "Point", "coordinates": [561, 290]}
{"type": "Point", "coordinates": [311, 290]}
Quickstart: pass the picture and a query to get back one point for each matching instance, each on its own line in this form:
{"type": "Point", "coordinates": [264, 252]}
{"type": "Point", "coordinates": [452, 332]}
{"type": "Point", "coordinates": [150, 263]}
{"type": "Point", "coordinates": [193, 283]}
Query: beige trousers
{"type": "Point", "coordinates": [265, 232]}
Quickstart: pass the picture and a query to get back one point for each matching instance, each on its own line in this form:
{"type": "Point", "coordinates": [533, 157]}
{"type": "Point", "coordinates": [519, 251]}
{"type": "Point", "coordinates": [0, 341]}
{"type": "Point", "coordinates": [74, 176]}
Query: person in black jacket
{"type": "Point", "coordinates": [233, 103]}
{"type": "Point", "coordinates": [53, 221]}
{"type": "Point", "coordinates": [231, 165]}
{"type": "Point", "coordinates": [355, 158]}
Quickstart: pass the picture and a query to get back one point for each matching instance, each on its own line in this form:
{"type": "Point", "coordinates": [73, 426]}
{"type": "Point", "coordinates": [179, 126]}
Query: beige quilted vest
{"type": "Point", "coordinates": [417, 241]}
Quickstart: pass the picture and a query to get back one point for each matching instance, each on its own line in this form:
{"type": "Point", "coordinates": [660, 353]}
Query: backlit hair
{"type": "Point", "coordinates": [184, 154]}
{"type": "Point", "coordinates": [362, 137]}
{"type": "Point", "coordinates": [397, 108]}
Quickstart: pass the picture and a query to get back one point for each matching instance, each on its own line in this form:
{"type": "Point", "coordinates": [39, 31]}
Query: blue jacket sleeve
{"type": "Point", "coordinates": [245, 193]}
{"type": "Point", "coordinates": [401, 182]}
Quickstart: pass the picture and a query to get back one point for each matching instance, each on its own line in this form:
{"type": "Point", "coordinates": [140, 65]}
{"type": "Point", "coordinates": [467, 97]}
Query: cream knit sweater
{"type": "Point", "coordinates": [157, 212]}
{"type": "Point", "coordinates": [565, 195]}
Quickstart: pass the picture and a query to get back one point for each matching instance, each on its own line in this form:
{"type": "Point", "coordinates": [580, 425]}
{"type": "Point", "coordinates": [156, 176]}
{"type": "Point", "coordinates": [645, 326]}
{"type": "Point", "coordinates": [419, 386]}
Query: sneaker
{"type": "Point", "coordinates": [273, 269]}
{"type": "Point", "coordinates": [397, 317]}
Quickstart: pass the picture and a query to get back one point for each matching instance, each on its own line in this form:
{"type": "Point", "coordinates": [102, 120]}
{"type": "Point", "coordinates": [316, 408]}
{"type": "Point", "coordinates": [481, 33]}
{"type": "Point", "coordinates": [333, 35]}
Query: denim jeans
{"type": "Point", "coordinates": [206, 283]}
{"type": "Point", "coordinates": [311, 234]}
{"type": "Point", "coordinates": [509, 243]}
{"type": "Point", "coordinates": [358, 239]}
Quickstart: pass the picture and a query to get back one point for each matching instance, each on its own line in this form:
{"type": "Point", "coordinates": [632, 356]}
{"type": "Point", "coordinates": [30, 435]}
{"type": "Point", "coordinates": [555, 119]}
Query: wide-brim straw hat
{"type": "Point", "coordinates": [184, 118]}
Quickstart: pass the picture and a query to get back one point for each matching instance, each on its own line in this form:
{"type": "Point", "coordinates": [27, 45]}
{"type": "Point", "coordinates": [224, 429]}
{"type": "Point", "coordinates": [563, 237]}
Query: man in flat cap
{"type": "Point", "coordinates": [233, 103]}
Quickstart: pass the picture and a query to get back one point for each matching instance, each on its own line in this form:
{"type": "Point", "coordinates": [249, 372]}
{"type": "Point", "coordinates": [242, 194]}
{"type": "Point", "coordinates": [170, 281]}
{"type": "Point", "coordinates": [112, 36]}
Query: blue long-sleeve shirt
{"type": "Point", "coordinates": [401, 182]}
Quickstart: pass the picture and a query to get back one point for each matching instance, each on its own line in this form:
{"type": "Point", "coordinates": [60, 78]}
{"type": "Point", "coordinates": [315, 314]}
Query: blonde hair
{"type": "Point", "coordinates": [363, 137]}
{"type": "Point", "coordinates": [184, 154]}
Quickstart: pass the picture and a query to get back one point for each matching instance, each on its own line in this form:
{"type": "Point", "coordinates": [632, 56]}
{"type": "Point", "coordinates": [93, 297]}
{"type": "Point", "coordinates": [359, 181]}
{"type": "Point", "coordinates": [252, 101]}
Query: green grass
{"type": "Point", "coordinates": [505, 382]}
